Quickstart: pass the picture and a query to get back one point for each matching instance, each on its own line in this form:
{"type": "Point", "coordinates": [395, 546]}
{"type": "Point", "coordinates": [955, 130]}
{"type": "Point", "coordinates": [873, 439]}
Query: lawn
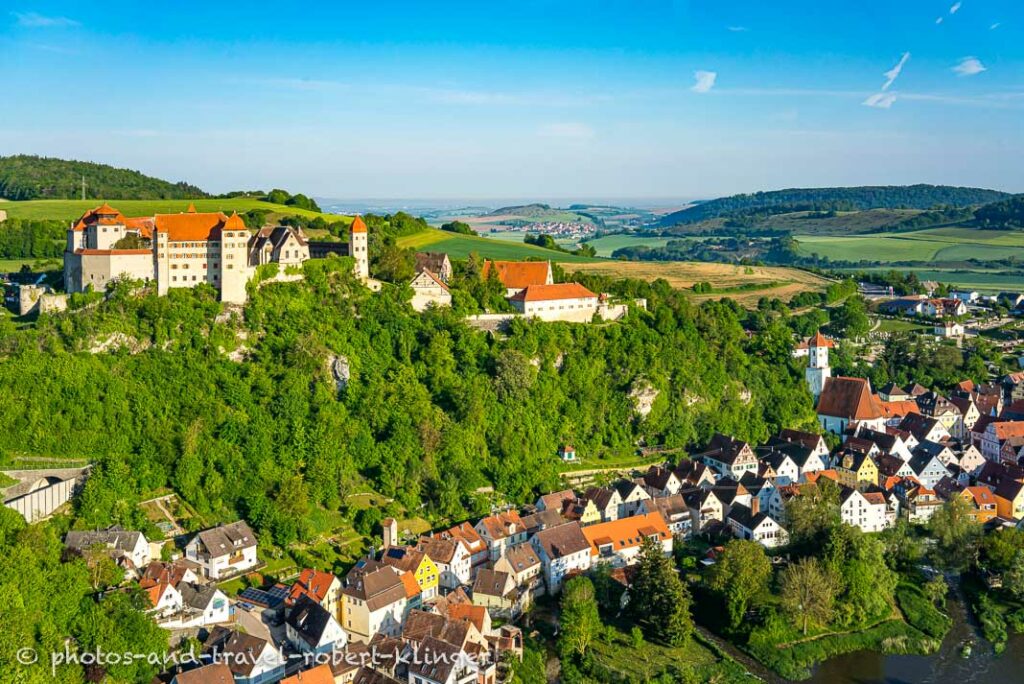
{"type": "Point", "coordinates": [37, 265]}
{"type": "Point", "coordinates": [68, 210]}
{"type": "Point", "coordinates": [896, 325]}
{"type": "Point", "coordinates": [459, 247]}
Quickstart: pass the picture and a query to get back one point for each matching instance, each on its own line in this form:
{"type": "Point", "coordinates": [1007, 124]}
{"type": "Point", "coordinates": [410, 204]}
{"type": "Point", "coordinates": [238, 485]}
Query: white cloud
{"type": "Point", "coordinates": [703, 81]}
{"type": "Point", "coordinates": [956, 7]}
{"type": "Point", "coordinates": [969, 66]}
{"type": "Point", "coordinates": [880, 100]}
{"type": "Point", "coordinates": [939, 20]}
{"type": "Point", "coordinates": [738, 29]}
{"type": "Point", "coordinates": [994, 26]}
{"type": "Point", "coordinates": [568, 130]}
{"type": "Point", "coordinates": [892, 74]}
{"type": "Point", "coordinates": [36, 20]}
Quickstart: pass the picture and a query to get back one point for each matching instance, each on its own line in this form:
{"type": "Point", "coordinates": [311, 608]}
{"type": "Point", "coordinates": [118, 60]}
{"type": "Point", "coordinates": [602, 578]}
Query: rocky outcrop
{"type": "Point", "coordinates": [642, 395]}
{"type": "Point", "coordinates": [341, 371]}
{"type": "Point", "coordinates": [116, 341]}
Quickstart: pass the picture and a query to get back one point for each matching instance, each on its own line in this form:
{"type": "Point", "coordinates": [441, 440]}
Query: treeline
{"type": "Point", "coordinates": [29, 239]}
{"type": "Point", "coordinates": [838, 199]}
{"type": "Point", "coordinates": [547, 242]}
{"type": "Point", "coordinates": [1005, 214]}
{"type": "Point", "coordinates": [28, 177]}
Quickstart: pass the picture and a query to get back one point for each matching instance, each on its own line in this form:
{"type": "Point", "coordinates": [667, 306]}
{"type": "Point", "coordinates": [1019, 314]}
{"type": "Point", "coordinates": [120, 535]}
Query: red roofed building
{"type": "Point", "coordinates": [322, 587]}
{"type": "Point", "coordinates": [517, 275]}
{"type": "Point", "coordinates": [561, 302]}
{"type": "Point", "coordinates": [849, 400]}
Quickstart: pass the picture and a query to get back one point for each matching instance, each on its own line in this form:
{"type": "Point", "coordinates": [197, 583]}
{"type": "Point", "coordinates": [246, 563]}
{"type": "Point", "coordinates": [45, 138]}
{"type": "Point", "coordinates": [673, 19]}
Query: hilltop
{"type": "Point", "coordinates": [860, 198]}
{"type": "Point", "coordinates": [27, 177]}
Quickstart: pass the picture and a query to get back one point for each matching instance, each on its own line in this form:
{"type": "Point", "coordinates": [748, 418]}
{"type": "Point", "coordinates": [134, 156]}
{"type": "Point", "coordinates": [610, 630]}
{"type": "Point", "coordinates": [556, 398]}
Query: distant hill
{"type": "Point", "coordinates": [26, 177]}
{"type": "Point", "coordinates": [535, 210]}
{"type": "Point", "coordinates": [836, 199]}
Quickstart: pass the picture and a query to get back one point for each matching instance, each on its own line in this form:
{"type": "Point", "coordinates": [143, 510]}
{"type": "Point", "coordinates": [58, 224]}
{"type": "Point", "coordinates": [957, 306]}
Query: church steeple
{"type": "Point", "coordinates": [817, 368]}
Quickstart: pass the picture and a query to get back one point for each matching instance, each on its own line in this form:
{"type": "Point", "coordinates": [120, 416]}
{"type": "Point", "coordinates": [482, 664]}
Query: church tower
{"type": "Point", "coordinates": [358, 248]}
{"type": "Point", "coordinates": [818, 369]}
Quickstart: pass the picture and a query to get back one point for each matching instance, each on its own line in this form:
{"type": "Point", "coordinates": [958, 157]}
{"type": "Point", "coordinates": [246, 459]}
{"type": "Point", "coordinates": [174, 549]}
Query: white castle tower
{"type": "Point", "coordinates": [818, 369]}
{"type": "Point", "coordinates": [359, 248]}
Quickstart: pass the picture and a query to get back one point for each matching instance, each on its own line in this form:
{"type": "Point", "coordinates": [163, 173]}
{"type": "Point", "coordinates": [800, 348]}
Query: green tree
{"type": "Point", "coordinates": [579, 619]}
{"type": "Point", "coordinates": [957, 534]}
{"type": "Point", "coordinates": [740, 575]}
{"type": "Point", "coordinates": [658, 599]}
{"type": "Point", "coordinates": [808, 591]}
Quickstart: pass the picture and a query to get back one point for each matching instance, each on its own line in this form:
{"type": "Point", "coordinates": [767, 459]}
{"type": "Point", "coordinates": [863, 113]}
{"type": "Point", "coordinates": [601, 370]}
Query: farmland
{"type": "Point", "coordinates": [952, 244]}
{"type": "Point", "coordinates": [726, 279]}
{"type": "Point", "coordinates": [459, 247]}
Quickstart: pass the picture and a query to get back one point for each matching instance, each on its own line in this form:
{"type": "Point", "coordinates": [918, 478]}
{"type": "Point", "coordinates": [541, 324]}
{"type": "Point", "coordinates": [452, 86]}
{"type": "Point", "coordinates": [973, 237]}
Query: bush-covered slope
{"type": "Point", "coordinates": [1006, 214]}
{"type": "Point", "coordinates": [838, 199]}
{"type": "Point", "coordinates": [24, 177]}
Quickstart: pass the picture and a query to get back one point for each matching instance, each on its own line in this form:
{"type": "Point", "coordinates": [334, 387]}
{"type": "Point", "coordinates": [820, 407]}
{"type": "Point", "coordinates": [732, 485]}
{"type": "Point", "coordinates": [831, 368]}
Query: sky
{"type": "Point", "coordinates": [528, 99]}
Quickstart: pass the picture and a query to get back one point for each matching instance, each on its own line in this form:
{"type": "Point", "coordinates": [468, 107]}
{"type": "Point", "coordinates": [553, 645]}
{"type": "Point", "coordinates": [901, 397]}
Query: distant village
{"type": "Point", "coordinates": [459, 593]}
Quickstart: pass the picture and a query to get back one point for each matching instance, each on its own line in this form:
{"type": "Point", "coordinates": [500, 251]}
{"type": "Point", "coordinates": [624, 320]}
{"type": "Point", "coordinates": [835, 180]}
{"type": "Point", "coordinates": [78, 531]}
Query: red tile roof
{"type": "Point", "coordinates": [626, 533]}
{"type": "Point", "coordinates": [819, 340]}
{"type": "Point", "coordinates": [1008, 429]}
{"type": "Point", "coordinates": [518, 274]}
{"type": "Point", "coordinates": [547, 293]}
{"type": "Point", "coordinates": [358, 225]}
{"type": "Point", "coordinates": [849, 398]}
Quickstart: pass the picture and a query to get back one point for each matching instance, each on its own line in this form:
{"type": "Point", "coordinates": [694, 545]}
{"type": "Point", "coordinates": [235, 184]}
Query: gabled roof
{"type": "Point", "coordinates": [428, 278]}
{"type": "Point", "coordinates": [214, 673]}
{"type": "Point", "coordinates": [626, 533]}
{"type": "Point", "coordinates": [562, 540]}
{"type": "Point", "coordinates": [492, 583]}
{"type": "Point", "coordinates": [519, 274]}
{"type": "Point", "coordinates": [522, 557]}
{"type": "Point", "coordinates": [195, 226]}
{"type": "Point", "coordinates": [554, 500]}
{"type": "Point", "coordinates": [899, 409]}
{"type": "Point", "coordinates": [240, 651]}
{"type": "Point", "coordinates": [918, 425]}
{"type": "Point", "coordinates": [114, 538]}
{"type": "Point", "coordinates": [402, 558]}
{"type": "Point", "coordinates": [321, 674]}
{"type": "Point", "coordinates": [309, 620]}
{"type": "Point", "coordinates": [225, 539]}
{"type": "Point", "coordinates": [849, 398]}
{"type": "Point", "coordinates": [502, 525]}
{"type": "Point", "coordinates": [358, 225]}
{"type": "Point", "coordinates": [549, 293]}
{"type": "Point", "coordinates": [746, 518]}
{"type": "Point", "coordinates": [1008, 429]}
{"type": "Point", "coordinates": [197, 596]}
{"type": "Point", "coordinates": [312, 583]}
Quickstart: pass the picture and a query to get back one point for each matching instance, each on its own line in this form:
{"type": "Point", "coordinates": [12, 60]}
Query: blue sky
{"type": "Point", "coordinates": [523, 100]}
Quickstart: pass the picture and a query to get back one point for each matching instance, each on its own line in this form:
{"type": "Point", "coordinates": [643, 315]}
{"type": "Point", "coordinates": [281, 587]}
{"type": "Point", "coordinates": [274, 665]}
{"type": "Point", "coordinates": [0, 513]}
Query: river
{"type": "Point", "coordinates": [869, 667]}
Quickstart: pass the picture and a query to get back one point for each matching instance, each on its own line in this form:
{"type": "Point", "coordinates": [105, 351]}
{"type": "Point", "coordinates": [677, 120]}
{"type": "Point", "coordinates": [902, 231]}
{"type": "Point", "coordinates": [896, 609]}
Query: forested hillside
{"type": "Point", "coordinates": [25, 177]}
{"type": "Point", "coordinates": [837, 199]}
{"type": "Point", "coordinates": [1006, 214]}
{"type": "Point", "coordinates": [433, 411]}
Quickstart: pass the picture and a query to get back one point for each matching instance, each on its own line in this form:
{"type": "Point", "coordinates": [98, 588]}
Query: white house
{"type": "Point", "coordinates": [759, 527]}
{"type": "Point", "coordinates": [452, 558]}
{"type": "Point", "coordinates": [251, 659]}
{"type": "Point", "coordinates": [562, 549]}
{"type": "Point", "coordinates": [223, 551]}
{"type": "Point", "coordinates": [114, 541]}
{"type": "Point", "coordinates": [310, 628]}
{"type": "Point", "coordinates": [619, 542]}
{"type": "Point", "coordinates": [202, 605]}
{"type": "Point", "coordinates": [428, 289]}
{"type": "Point", "coordinates": [869, 511]}
{"type": "Point", "coordinates": [559, 302]}
{"type": "Point", "coordinates": [632, 494]}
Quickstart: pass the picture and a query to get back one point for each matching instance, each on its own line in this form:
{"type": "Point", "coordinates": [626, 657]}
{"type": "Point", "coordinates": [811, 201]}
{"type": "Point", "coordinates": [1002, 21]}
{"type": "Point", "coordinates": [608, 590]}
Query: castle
{"type": "Point", "coordinates": [185, 249]}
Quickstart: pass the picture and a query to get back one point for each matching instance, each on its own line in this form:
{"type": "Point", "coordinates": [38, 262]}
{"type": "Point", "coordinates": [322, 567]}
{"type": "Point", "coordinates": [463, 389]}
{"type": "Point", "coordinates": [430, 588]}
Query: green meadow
{"type": "Point", "coordinates": [459, 247]}
{"type": "Point", "coordinates": [938, 244]}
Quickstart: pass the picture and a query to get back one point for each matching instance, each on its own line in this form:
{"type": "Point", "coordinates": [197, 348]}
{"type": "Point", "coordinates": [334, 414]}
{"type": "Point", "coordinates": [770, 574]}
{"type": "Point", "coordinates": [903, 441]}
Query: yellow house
{"type": "Point", "coordinates": [1010, 499]}
{"type": "Point", "coordinates": [583, 510]}
{"type": "Point", "coordinates": [856, 469]}
{"type": "Point", "coordinates": [406, 559]}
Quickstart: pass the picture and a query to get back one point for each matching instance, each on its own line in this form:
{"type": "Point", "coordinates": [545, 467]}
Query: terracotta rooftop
{"type": "Point", "coordinates": [518, 274]}
{"type": "Point", "coordinates": [849, 398]}
{"type": "Point", "coordinates": [358, 225]}
{"type": "Point", "coordinates": [547, 293]}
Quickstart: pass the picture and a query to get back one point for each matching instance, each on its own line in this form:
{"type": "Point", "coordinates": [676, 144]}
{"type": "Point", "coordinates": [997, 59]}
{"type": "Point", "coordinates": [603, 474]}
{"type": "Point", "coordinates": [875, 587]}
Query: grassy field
{"type": "Point", "coordinates": [459, 246]}
{"type": "Point", "coordinates": [37, 265]}
{"type": "Point", "coordinates": [937, 244]}
{"type": "Point", "coordinates": [773, 281]}
{"type": "Point", "coordinates": [609, 243]}
{"type": "Point", "coordinates": [68, 210]}
{"type": "Point", "coordinates": [981, 280]}
{"type": "Point", "coordinates": [843, 223]}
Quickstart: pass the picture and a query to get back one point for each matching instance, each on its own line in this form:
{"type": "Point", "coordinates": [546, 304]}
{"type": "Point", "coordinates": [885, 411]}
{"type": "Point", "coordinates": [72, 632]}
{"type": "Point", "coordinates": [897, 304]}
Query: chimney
{"type": "Point", "coordinates": [755, 505]}
{"type": "Point", "coordinates": [390, 526]}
